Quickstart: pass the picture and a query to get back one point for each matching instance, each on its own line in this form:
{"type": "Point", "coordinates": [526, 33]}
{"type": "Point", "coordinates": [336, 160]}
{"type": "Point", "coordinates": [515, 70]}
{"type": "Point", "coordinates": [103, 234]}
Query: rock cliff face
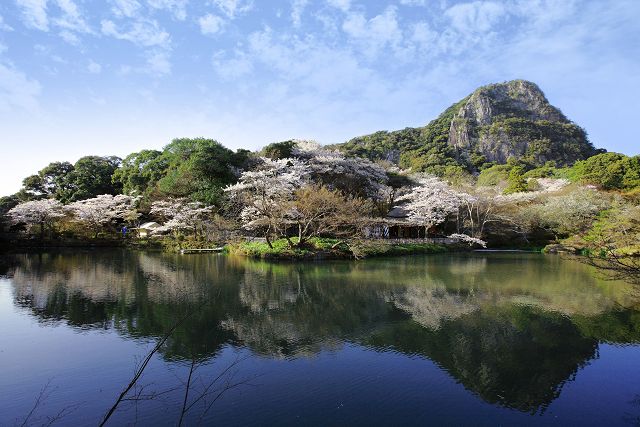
{"type": "Point", "coordinates": [515, 119]}
{"type": "Point", "coordinates": [494, 123]}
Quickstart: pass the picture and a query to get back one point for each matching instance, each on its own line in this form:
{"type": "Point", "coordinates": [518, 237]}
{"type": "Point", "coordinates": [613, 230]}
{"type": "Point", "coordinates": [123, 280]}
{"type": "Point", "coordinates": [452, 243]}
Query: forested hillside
{"type": "Point", "coordinates": [498, 122]}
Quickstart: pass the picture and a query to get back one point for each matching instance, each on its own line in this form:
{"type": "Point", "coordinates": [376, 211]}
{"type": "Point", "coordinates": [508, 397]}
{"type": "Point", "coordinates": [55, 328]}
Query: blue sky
{"type": "Point", "coordinates": [81, 77]}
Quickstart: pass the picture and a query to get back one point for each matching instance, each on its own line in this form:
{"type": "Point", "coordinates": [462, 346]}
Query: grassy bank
{"type": "Point", "coordinates": [325, 248]}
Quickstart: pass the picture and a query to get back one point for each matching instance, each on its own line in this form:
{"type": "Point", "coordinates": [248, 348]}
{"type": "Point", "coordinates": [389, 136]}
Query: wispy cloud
{"type": "Point", "coordinates": [177, 7]}
{"type": "Point", "coordinates": [4, 26]}
{"type": "Point", "coordinates": [125, 8]}
{"type": "Point", "coordinates": [231, 68]}
{"type": "Point", "coordinates": [69, 37]}
{"type": "Point", "coordinates": [233, 8]}
{"type": "Point", "coordinates": [143, 32]}
{"type": "Point", "coordinates": [94, 67]}
{"type": "Point", "coordinates": [211, 24]}
{"type": "Point", "coordinates": [158, 62]}
{"type": "Point", "coordinates": [343, 5]}
{"type": "Point", "coordinates": [375, 33]}
{"type": "Point", "coordinates": [297, 8]}
{"type": "Point", "coordinates": [34, 14]}
{"type": "Point", "coordinates": [476, 17]}
{"type": "Point", "coordinates": [71, 18]}
{"type": "Point", "coordinates": [17, 90]}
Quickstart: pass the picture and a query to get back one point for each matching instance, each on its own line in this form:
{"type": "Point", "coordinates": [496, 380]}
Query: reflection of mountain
{"type": "Point", "coordinates": [516, 356]}
{"type": "Point", "coordinates": [510, 328]}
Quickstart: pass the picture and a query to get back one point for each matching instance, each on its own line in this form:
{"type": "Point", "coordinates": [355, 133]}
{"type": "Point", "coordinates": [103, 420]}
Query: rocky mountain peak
{"type": "Point", "coordinates": [515, 119]}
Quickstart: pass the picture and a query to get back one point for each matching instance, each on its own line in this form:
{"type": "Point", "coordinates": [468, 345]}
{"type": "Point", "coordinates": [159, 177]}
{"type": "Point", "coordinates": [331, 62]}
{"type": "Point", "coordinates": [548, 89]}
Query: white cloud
{"type": "Point", "coordinates": [4, 26]}
{"type": "Point", "coordinates": [47, 52]}
{"type": "Point", "coordinates": [94, 67]}
{"type": "Point", "coordinates": [232, 8]}
{"type": "Point", "coordinates": [297, 8]}
{"type": "Point", "coordinates": [375, 33]}
{"type": "Point", "coordinates": [308, 65]}
{"type": "Point", "coordinates": [143, 32]}
{"type": "Point", "coordinates": [343, 5]}
{"type": "Point", "coordinates": [423, 36]}
{"type": "Point", "coordinates": [34, 14]}
{"type": "Point", "coordinates": [126, 8]}
{"type": "Point", "coordinates": [69, 37]}
{"type": "Point", "coordinates": [177, 7]}
{"type": "Point", "coordinates": [232, 68]}
{"type": "Point", "coordinates": [211, 24]}
{"type": "Point", "coordinates": [158, 63]}
{"type": "Point", "coordinates": [476, 17]}
{"type": "Point", "coordinates": [17, 90]}
{"type": "Point", "coordinates": [71, 18]}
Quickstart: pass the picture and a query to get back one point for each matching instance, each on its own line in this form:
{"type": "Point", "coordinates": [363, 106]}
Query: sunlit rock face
{"type": "Point", "coordinates": [515, 119]}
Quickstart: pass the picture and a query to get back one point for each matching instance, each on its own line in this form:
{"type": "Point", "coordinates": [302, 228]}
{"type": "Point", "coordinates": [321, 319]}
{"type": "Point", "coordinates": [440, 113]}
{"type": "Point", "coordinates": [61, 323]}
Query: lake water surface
{"type": "Point", "coordinates": [462, 339]}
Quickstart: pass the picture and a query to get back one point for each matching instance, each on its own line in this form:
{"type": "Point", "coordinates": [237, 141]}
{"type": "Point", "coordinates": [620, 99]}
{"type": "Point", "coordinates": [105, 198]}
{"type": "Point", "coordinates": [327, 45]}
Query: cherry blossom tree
{"type": "Point", "coordinates": [351, 175]}
{"type": "Point", "coordinates": [103, 211]}
{"type": "Point", "coordinates": [37, 213]}
{"type": "Point", "coordinates": [266, 194]}
{"type": "Point", "coordinates": [181, 215]}
{"type": "Point", "coordinates": [429, 202]}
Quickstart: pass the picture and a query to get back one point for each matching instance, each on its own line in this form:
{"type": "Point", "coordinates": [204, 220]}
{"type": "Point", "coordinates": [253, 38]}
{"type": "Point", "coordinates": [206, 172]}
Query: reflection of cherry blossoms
{"type": "Point", "coordinates": [471, 241]}
{"type": "Point", "coordinates": [432, 306]}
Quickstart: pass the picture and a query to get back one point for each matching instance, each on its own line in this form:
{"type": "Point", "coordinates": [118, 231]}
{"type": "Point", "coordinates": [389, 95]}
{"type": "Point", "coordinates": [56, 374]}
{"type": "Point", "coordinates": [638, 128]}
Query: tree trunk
{"type": "Point", "coordinates": [266, 237]}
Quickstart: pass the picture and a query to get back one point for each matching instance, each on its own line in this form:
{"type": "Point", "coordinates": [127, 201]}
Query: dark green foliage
{"type": "Point", "coordinates": [435, 152]}
{"type": "Point", "coordinates": [383, 145]}
{"type": "Point", "coordinates": [90, 177]}
{"type": "Point", "coordinates": [421, 149]}
{"type": "Point", "coordinates": [549, 170]}
{"type": "Point", "coordinates": [9, 202]}
{"type": "Point", "coordinates": [140, 171]}
{"type": "Point", "coordinates": [52, 181]}
{"type": "Point", "coordinates": [494, 175]}
{"type": "Point", "coordinates": [609, 171]}
{"type": "Point", "coordinates": [279, 150]}
{"type": "Point", "coordinates": [198, 169]}
{"type": "Point", "coordinates": [516, 182]}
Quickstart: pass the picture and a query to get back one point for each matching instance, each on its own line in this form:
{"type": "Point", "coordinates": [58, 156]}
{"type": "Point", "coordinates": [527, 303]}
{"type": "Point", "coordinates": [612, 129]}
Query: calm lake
{"type": "Point", "coordinates": [479, 338]}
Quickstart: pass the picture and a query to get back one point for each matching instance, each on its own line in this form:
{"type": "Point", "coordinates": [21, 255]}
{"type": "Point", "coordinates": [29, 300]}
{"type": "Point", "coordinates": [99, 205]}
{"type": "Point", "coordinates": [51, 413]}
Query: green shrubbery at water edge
{"type": "Point", "coordinates": [331, 248]}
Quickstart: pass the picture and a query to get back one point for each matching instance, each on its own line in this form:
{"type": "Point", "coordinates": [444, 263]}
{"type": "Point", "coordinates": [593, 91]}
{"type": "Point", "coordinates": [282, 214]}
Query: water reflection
{"type": "Point", "coordinates": [511, 328]}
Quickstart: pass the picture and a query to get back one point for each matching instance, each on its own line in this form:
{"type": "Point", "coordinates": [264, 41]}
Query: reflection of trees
{"type": "Point", "coordinates": [81, 288]}
{"type": "Point", "coordinates": [294, 310]}
{"type": "Point", "coordinates": [511, 329]}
